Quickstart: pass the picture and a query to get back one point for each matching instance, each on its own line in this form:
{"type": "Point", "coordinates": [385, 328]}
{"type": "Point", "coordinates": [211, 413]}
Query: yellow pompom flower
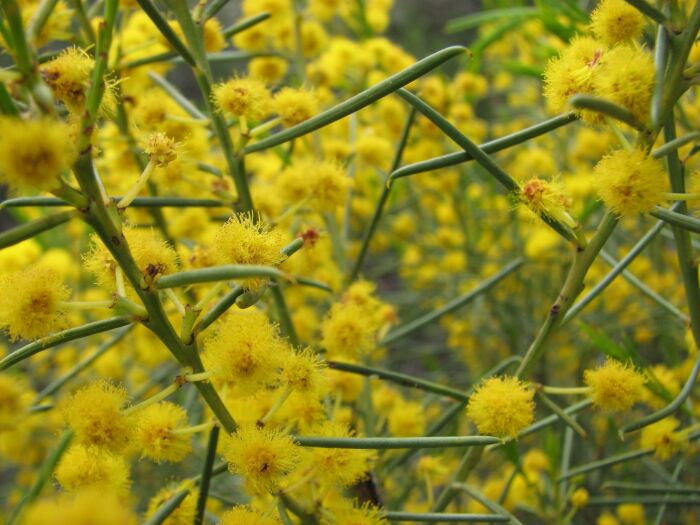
{"type": "Point", "coordinates": [615, 21]}
{"type": "Point", "coordinates": [185, 511]}
{"type": "Point", "coordinates": [243, 240]}
{"type": "Point", "coordinates": [339, 467]}
{"type": "Point", "coordinates": [572, 72]}
{"type": "Point", "coordinates": [263, 457]}
{"type": "Point", "coordinates": [302, 371]}
{"type": "Point", "coordinates": [626, 77]}
{"type": "Point", "coordinates": [244, 514]}
{"type": "Point", "coordinates": [663, 438]}
{"type": "Point", "coordinates": [630, 182]}
{"type": "Point", "coordinates": [245, 351]}
{"type": "Point", "coordinates": [347, 331]}
{"type": "Point", "coordinates": [544, 197]}
{"type": "Point", "coordinates": [93, 467]}
{"type": "Point", "coordinates": [69, 75]}
{"type": "Point", "coordinates": [160, 149]}
{"type": "Point", "coordinates": [34, 153]}
{"type": "Point", "coordinates": [154, 432]}
{"type": "Point", "coordinates": [615, 387]}
{"type": "Point", "coordinates": [15, 398]}
{"type": "Point", "coordinates": [268, 69]}
{"type": "Point", "coordinates": [579, 498]}
{"type": "Point", "coordinates": [92, 506]}
{"type": "Point", "coordinates": [324, 183]}
{"type": "Point", "coordinates": [501, 406]}
{"type": "Point", "coordinates": [95, 414]}
{"type": "Point", "coordinates": [243, 97]}
{"type": "Point", "coordinates": [295, 105]}
{"type": "Point", "coordinates": [33, 308]}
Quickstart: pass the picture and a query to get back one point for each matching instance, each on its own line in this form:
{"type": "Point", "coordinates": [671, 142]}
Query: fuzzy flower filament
{"type": "Point", "coordinates": [502, 406]}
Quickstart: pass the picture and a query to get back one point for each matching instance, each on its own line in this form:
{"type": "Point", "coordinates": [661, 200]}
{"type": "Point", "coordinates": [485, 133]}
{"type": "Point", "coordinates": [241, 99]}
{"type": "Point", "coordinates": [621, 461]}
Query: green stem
{"type": "Point", "coordinates": [573, 285]}
{"type": "Point", "coordinates": [167, 508]}
{"type": "Point", "coordinates": [360, 100]}
{"type": "Point", "coordinates": [607, 462]}
{"type": "Point", "coordinates": [436, 517]}
{"type": "Point", "coordinates": [285, 319]}
{"type": "Point", "coordinates": [382, 443]}
{"type": "Point", "coordinates": [489, 504]}
{"type": "Point", "coordinates": [30, 229]}
{"type": "Point", "coordinates": [218, 273]}
{"type": "Point", "coordinates": [383, 198]}
{"type": "Point", "coordinates": [71, 334]}
{"type": "Point", "coordinates": [244, 24]}
{"type": "Point", "coordinates": [401, 379]}
{"type": "Point", "coordinates": [44, 475]}
{"type": "Point", "coordinates": [406, 329]}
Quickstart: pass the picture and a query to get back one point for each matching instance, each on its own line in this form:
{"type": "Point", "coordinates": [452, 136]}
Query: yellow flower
{"type": "Point", "coordinates": [663, 438]}
{"type": "Point", "coordinates": [501, 406]}
{"type": "Point", "coordinates": [263, 457]}
{"type": "Point", "coordinates": [246, 515]}
{"type": "Point", "coordinates": [94, 506]}
{"type": "Point", "coordinates": [626, 77]}
{"type": "Point", "coordinates": [615, 387]}
{"type": "Point", "coordinates": [614, 21]}
{"type": "Point", "coordinates": [630, 182]}
{"type": "Point", "coordinates": [154, 436]}
{"type": "Point", "coordinates": [94, 413]}
{"type": "Point", "coordinates": [579, 498]}
{"type": "Point", "coordinates": [69, 75]}
{"type": "Point", "coordinates": [93, 467]}
{"type": "Point", "coordinates": [303, 371]}
{"type": "Point", "coordinates": [268, 69]}
{"type": "Point", "coordinates": [34, 153]}
{"type": "Point", "coordinates": [160, 149]}
{"type": "Point", "coordinates": [340, 467]}
{"type": "Point", "coordinates": [347, 331]}
{"type": "Point", "coordinates": [15, 398]}
{"type": "Point", "coordinates": [185, 511]}
{"type": "Point", "coordinates": [546, 197]}
{"type": "Point", "coordinates": [31, 307]}
{"type": "Point", "coordinates": [245, 351]}
{"type": "Point", "coordinates": [407, 418]}
{"type": "Point", "coordinates": [572, 72]}
{"type": "Point", "coordinates": [295, 105]}
{"type": "Point", "coordinates": [243, 97]}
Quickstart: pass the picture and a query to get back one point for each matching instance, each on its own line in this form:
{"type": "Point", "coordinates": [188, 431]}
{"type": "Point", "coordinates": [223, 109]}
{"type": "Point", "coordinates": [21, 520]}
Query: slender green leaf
{"type": "Point", "coordinates": [681, 220]}
{"type": "Point", "coordinates": [383, 443]}
{"type": "Point", "coordinates": [62, 337]}
{"type": "Point", "coordinates": [177, 96]}
{"type": "Point", "coordinates": [205, 478]}
{"type": "Point", "coordinates": [35, 227]}
{"type": "Point", "coordinates": [446, 517]}
{"type": "Point", "coordinates": [470, 21]}
{"type": "Point", "coordinates": [161, 23]}
{"type": "Point", "coordinates": [406, 329]}
{"type": "Point", "coordinates": [360, 100]}
{"type": "Point", "coordinates": [244, 24]}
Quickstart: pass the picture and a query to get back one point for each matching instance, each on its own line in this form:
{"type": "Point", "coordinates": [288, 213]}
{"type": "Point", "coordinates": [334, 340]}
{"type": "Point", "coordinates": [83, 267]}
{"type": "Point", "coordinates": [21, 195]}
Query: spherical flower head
{"type": "Point", "coordinates": [407, 419]}
{"type": "Point", "coordinates": [328, 184]}
{"type": "Point", "coordinates": [630, 182]}
{"type": "Point", "coordinates": [185, 511]}
{"type": "Point", "coordinates": [95, 414]}
{"type": "Point", "coordinates": [92, 506]}
{"type": "Point", "coordinates": [295, 105]}
{"type": "Point", "coordinates": [544, 197]}
{"type": "Point", "coordinates": [212, 35]}
{"type": "Point", "coordinates": [572, 72]}
{"type": "Point", "coordinates": [626, 77]}
{"type": "Point", "coordinates": [347, 332]}
{"type": "Point", "coordinates": [344, 514]}
{"type": "Point", "coordinates": [160, 149]}
{"type": "Point", "coordinates": [33, 309]}
{"type": "Point", "coordinates": [243, 97]}
{"type": "Point", "coordinates": [69, 75]}
{"type": "Point", "coordinates": [93, 467]}
{"type": "Point", "coordinates": [15, 398]}
{"type": "Point", "coordinates": [263, 457]}
{"type": "Point", "coordinates": [501, 406]}
{"type": "Point", "coordinates": [579, 498]}
{"type": "Point", "coordinates": [244, 514]}
{"type": "Point", "coordinates": [154, 432]}
{"type": "Point", "coordinates": [303, 371]}
{"type": "Point", "coordinates": [268, 69]}
{"type": "Point", "coordinates": [615, 21]}
{"type": "Point", "coordinates": [153, 255]}
{"type": "Point", "coordinates": [246, 239]}
{"type": "Point", "coordinates": [34, 153]}
{"type": "Point", "coordinates": [245, 351]}
{"type": "Point", "coordinates": [615, 387]}
{"type": "Point", "coordinates": [663, 438]}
